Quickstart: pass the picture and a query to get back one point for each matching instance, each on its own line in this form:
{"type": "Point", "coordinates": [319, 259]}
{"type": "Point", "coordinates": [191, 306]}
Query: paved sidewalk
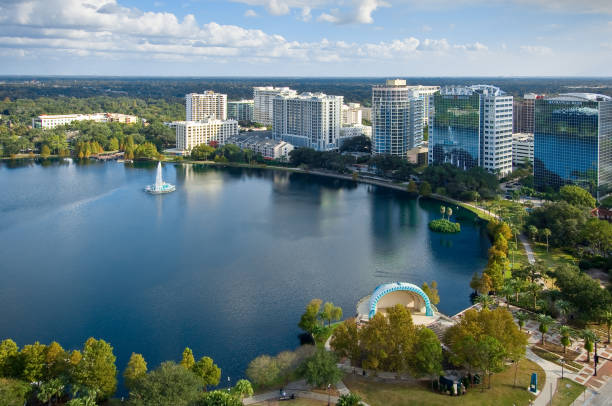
{"type": "Point", "coordinates": [528, 250]}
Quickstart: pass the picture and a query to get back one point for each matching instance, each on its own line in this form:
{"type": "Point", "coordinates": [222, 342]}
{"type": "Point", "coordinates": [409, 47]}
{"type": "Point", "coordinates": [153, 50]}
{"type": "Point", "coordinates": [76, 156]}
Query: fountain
{"type": "Point", "coordinates": [160, 186]}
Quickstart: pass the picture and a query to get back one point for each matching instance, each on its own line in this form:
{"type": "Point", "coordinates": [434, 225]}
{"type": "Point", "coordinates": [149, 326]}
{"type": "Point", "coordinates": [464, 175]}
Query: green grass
{"type": "Point", "coordinates": [554, 257]}
{"type": "Point", "coordinates": [378, 393]}
{"type": "Point", "coordinates": [554, 358]}
{"type": "Point", "coordinates": [567, 392]}
{"type": "Point", "coordinates": [296, 402]}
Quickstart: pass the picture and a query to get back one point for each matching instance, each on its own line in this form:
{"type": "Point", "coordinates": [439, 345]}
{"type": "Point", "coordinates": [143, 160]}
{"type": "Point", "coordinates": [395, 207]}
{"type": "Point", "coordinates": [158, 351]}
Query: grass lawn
{"type": "Point", "coordinates": [501, 393]}
{"type": "Point", "coordinates": [295, 402]}
{"type": "Point", "coordinates": [567, 392]}
{"type": "Point", "coordinates": [553, 257]}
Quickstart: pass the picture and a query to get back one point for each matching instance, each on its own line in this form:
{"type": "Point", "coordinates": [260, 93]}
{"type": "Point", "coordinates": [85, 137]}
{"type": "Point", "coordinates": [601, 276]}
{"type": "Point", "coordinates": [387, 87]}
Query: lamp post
{"type": "Point", "coordinates": [562, 364]}
{"type": "Point", "coordinates": [328, 394]}
{"type": "Point", "coordinates": [229, 384]}
{"type": "Point", "coordinates": [595, 359]}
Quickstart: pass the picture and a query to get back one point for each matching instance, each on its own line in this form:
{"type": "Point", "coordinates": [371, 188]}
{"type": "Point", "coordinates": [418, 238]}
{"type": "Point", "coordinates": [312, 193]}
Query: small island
{"type": "Point", "coordinates": [443, 225]}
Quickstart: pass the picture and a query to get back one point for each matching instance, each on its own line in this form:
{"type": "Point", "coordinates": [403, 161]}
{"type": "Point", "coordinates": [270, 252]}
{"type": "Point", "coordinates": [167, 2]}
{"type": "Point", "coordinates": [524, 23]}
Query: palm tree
{"type": "Point", "coordinates": [533, 232]}
{"type": "Point", "coordinates": [449, 213]}
{"type": "Point", "coordinates": [546, 233]}
{"type": "Point", "coordinates": [507, 290]}
{"type": "Point", "coordinates": [589, 338]}
{"type": "Point", "coordinates": [442, 210]}
{"type": "Point", "coordinates": [485, 300]}
{"type": "Point", "coordinates": [515, 232]}
{"type": "Point", "coordinates": [563, 306]}
{"type": "Point", "coordinates": [566, 333]}
{"type": "Point", "coordinates": [534, 289]}
{"type": "Point", "coordinates": [607, 318]}
{"type": "Point", "coordinates": [545, 322]}
{"type": "Point", "coordinates": [521, 317]}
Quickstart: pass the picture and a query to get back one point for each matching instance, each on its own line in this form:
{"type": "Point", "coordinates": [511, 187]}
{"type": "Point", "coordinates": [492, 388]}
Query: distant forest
{"type": "Point", "coordinates": [173, 90]}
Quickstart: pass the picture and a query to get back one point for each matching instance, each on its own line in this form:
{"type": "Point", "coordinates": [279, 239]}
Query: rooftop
{"type": "Point", "coordinates": [594, 97]}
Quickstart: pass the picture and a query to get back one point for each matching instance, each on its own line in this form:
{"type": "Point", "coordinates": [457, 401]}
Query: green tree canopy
{"type": "Point", "coordinates": [97, 369]}
{"type": "Point", "coordinates": [321, 369]}
{"type": "Point", "coordinates": [135, 369]}
{"type": "Point", "coordinates": [208, 371]}
{"type": "Point", "coordinates": [169, 384]}
{"type": "Point", "coordinates": [577, 196]}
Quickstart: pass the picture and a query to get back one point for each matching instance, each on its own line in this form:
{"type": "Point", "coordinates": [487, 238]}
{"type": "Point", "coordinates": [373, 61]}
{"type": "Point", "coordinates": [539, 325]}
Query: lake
{"type": "Point", "coordinates": [224, 265]}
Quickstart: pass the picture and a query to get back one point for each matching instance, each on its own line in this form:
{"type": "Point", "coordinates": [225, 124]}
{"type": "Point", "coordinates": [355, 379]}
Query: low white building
{"type": "Point", "coordinates": [192, 133]}
{"type": "Point", "coordinates": [522, 148]}
{"type": "Point", "coordinates": [351, 131]}
{"type": "Point", "coordinates": [51, 121]}
{"type": "Point", "coordinates": [268, 148]}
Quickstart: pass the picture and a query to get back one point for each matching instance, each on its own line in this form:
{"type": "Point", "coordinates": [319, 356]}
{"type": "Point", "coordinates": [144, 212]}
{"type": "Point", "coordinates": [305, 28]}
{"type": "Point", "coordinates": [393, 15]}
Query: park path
{"type": "Point", "coordinates": [528, 250]}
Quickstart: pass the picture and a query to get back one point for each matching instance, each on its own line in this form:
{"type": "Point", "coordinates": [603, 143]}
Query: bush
{"type": "Point", "coordinates": [444, 226]}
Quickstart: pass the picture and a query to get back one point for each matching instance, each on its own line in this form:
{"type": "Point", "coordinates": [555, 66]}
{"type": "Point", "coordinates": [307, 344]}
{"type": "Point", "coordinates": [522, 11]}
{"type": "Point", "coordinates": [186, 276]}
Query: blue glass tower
{"type": "Point", "coordinates": [573, 142]}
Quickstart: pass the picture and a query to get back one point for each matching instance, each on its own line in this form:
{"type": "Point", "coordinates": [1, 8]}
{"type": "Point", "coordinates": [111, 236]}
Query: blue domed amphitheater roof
{"type": "Point", "coordinates": [386, 288]}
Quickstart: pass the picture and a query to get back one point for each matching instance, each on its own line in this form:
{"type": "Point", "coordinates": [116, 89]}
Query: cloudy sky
{"type": "Point", "coordinates": [307, 37]}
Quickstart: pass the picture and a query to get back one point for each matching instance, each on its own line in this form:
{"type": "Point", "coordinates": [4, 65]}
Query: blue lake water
{"type": "Point", "coordinates": [225, 265]}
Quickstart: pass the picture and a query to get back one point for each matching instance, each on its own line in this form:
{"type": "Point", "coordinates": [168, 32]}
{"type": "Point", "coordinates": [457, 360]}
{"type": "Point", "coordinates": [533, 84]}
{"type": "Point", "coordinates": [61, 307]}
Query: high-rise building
{"type": "Point", "coordinates": [522, 148]}
{"type": "Point", "coordinates": [426, 93]}
{"type": "Point", "coordinates": [573, 142]}
{"type": "Point", "coordinates": [192, 133]}
{"type": "Point", "coordinates": [472, 126]}
{"type": "Point", "coordinates": [397, 119]}
{"type": "Point", "coordinates": [209, 104]}
{"type": "Point", "coordinates": [522, 120]}
{"type": "Point", "coordinates": [351, 114]}
{"type": "Point", "coordinates": [308, 120]}
{"type": "Point", "coordinates": [240, 110]}
{"type": "Point", "coordinates": [263, 98]}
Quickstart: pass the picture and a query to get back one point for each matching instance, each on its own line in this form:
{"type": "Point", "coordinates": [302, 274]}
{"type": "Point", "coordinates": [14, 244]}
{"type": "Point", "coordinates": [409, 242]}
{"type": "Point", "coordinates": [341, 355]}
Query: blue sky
{"type": "Point", "coordinates": [306, 37]}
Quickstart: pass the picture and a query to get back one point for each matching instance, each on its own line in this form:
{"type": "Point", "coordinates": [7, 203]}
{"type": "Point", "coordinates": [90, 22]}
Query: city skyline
{"type": "Point", "coordinates": [305, 38]}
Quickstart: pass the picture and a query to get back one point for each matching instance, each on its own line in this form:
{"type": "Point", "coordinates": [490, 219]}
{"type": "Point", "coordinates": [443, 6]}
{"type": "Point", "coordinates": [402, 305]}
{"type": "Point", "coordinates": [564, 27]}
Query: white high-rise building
{"type": "Point", "coordinates": [397, 119]}
{"type": "Point", "coordinates": [351, 114]}
{"type": "Point", "coordinates": [209, 104]}
{"type": "Point", "coordinates": [426, 93]}
{"type": "Point", "coordinates": [522, 148]}
{"type": "Point", "coordinates": [192, 133]}
{"type": "Point", "coordinates": [308, 120]}
{"type": "Point", "coordinates": [263, 98]}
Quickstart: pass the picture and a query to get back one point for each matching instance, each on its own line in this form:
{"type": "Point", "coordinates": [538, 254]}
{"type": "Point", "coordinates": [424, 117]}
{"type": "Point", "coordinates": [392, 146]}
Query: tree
{"type": "Point", "coordinates": [486, 284]}
{"type": "Point", "coordinates": [55, 360]}
{"type": "Point", "coordinates": [169, 384]}
{"type": "Point", "coordinates": [545, 323]}
{"type": "Point", "coordinates": [432, 292]}
{"type": "Point", "coordinates": [589, 338]}
{"type": "Point", "coordinates": [534, 289]}
{"type": "Point", "coordinates": [546, 233]}
{"type": "Point", "coordinates": [485, 300]}
{"type": "Point", "coordinates": [321, 369]}
{"type": "Point", "coordinates": [427, 354]}
{"type": "Point", "coordinates": [425, 189]}
{"type": "Point", "coordinates": [9, 359]}
{"type": "Point", "coordinates": [442, 210]}
{"type": "Point", "coordinates": [563, 306]}
{"type": "Point", "coordinates": [331, 312]}
{"type": "Point", "coordinates": [533, 232]}
{"type": "Point", "coordinates": [349, 399]}
{"type": "Point", "coordinates": [242, 389]}
{"type": "Point", "coordinates": [345, 340]}
{"type": "Point", "coordinates": [522, 317]}
{"type": "Point", "coordinates": [507, 290]}
{"type": "Point", "coordinates": [489, 356]}
{"type": "Point", "coordinates": [33, 359]}
{"type": "Point", "coordinates": [45, 151]}
{"type": "Point", "coordinates": [146, 150]}
{"type": "Point", "coordinates": [309, 321]}
{"type": "Point", "coordinates": [208, 371]}
{"type": "Point", "coordinates": [136, 369]}
{"type": "Point", "coordinates": [97, 369]}
{"type": "Point", "coordinates": [202, 152]}
{"type": "Point", "coordinates": [51, 389]}
{"type": "Point", "coordinates": [607, 319]}
{"type": "Point", "coordinates": [598, 234]}
{"type": "Point", "coordinates": [449, 213]}
{"type": "Point", "coordinates": [577, 196]}
{"type": "Point", "coordinates": [566, 333]}
{"type": "Point", "coordinates": [263, 371]}
{"type": "Point", "coordinates": [187, 361]}
{"type": "Point", "coordinates": [475, 282]}
{"type": "Point", "coordinates": [218, 398]}
{"type": "Point", "coordinates": [113, 144]}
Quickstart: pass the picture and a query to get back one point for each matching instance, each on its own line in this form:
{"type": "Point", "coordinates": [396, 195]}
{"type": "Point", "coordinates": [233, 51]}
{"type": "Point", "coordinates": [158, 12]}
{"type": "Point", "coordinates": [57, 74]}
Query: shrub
{"type": "Point", "coordinates": [444, 226]}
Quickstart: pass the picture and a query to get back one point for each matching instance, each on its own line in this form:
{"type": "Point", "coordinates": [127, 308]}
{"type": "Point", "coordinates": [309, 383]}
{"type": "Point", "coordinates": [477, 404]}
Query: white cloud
{"type": "Point", "coordinates": [426, 28]}
{"type": "Point", "coordinates": [306, 16]}
{"type": "Point", "coordinates": [106, 29]}
{"type": "Point", "coordinates": [360, 12]}
{"type": "Point", "coordinates": [537, 50]}
{"type": "Point", "coordinates": [250, 13]}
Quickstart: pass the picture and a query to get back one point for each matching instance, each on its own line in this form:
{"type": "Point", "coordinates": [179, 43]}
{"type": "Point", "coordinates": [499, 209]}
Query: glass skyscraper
{"type": "Point", "coordinates": [573, 142]}
{"type": "Point", "coordinates": [471, 126]}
